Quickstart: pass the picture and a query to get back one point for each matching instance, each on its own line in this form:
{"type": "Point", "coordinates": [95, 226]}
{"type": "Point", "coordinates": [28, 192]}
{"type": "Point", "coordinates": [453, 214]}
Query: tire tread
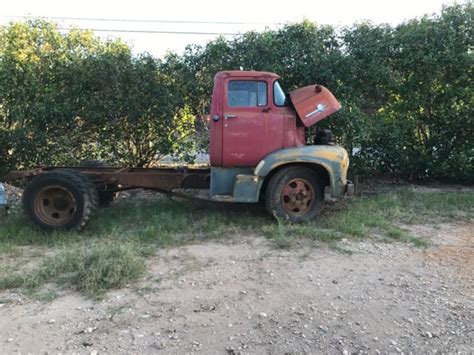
{"type": "Point", "coordinates": [80, 182]}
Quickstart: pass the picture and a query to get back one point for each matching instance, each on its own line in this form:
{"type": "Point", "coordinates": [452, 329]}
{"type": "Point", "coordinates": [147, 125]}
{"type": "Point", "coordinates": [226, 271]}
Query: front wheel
{"type": "Point", "coordinates": [294, 194]}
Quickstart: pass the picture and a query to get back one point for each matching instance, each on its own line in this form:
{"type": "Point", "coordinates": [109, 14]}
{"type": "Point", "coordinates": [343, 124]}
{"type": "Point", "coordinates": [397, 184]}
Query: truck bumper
{"type": "Point", "coordinates": [349, 188]}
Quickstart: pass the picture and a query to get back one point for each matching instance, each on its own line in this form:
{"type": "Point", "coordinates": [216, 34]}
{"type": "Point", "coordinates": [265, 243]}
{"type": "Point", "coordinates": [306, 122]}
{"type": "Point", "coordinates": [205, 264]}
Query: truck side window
{"type": "Point", "coordinates": [279, 97]}
{"type": "Point", "coordinates": [247, 93]}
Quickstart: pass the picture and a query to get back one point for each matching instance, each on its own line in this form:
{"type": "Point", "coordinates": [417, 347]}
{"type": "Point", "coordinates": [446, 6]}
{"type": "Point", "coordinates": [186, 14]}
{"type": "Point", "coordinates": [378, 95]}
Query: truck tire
{"type": "Point", "coordinates": [106, 197]}
{"type": "Point", "coordinates": [60, 199]}
{"type": "Point", "coordinates": [294, 194]}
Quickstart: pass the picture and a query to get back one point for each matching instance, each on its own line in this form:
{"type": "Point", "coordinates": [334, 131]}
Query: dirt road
{"type": "Point", "coordinates": [244, 296]}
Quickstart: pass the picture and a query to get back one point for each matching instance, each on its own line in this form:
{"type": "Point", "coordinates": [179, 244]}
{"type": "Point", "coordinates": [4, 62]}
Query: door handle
{"type": "Point", "coordinates": [229, 116]}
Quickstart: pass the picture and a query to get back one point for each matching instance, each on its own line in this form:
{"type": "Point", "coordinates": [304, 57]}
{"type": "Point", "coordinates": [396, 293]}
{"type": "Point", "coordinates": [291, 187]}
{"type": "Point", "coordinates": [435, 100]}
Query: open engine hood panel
{"type": "Point", "coordinates": [313, 103]}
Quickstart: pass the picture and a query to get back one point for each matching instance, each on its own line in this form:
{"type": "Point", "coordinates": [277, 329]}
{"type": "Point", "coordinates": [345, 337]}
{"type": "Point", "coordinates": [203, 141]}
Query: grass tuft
{"type": "Point", "coordinates": [92, 269]}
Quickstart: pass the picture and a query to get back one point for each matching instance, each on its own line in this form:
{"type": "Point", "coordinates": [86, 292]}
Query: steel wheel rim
{"type": "Point", "coordinates": [55, 206]}
{"type": "Point", "coordinates": [297, 196]}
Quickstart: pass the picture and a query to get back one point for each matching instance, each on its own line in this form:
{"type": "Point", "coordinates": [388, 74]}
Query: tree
{"type": "Point", "coordinates": [425, 129]}
{"type": "Point", "coordinates": [66, 97]}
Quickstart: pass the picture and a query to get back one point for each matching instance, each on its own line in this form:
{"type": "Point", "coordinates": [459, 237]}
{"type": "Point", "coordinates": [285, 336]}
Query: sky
{"type": "Point", "coordinates": [244, 15]}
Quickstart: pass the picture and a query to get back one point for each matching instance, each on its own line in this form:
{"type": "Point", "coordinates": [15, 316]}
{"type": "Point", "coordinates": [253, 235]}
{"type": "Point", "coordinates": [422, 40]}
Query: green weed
{"type": "Point", "coordinates": [92, 269]}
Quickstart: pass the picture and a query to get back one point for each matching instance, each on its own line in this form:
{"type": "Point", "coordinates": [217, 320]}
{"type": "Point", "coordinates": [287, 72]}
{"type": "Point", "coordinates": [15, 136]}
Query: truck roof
{"type": "Point", "coordinates": [245, 73]}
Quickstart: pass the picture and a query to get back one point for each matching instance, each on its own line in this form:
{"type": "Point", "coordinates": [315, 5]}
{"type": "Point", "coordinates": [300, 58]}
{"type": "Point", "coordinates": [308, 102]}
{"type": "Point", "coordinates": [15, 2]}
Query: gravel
{"type": "Point", "coordinates": [243, 297]}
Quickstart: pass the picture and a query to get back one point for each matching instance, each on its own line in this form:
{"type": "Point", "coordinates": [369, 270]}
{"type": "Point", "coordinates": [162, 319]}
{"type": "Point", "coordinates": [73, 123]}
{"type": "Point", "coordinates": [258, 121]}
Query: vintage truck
{"type": "Point", "coordinates": [257, 152]}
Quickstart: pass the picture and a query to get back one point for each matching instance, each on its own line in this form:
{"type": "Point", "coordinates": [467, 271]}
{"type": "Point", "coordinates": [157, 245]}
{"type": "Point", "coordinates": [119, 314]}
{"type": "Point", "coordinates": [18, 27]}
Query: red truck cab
{"type": "Point", "coordinates": [252, 117]}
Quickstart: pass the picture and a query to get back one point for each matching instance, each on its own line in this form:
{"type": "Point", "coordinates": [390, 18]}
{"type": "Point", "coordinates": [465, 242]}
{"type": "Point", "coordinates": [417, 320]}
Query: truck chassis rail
{"type": "Point", "coordinates": [165, 179]}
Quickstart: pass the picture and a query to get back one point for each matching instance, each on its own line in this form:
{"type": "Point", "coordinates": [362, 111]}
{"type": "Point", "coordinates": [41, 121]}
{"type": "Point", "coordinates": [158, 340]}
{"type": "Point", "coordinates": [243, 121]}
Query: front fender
{"type": "Point", "coordinates": [333, 159]}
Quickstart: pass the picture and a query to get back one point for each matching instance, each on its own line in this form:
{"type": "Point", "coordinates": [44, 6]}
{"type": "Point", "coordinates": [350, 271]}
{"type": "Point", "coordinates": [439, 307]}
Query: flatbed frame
{"type": "Point", "coordinates": [120, 179]}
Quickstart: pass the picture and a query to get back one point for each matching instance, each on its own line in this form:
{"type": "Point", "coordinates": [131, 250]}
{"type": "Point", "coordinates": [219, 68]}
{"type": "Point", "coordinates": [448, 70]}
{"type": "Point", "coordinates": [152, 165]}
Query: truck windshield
{"type": "Point", "coordinates": [279, 96]}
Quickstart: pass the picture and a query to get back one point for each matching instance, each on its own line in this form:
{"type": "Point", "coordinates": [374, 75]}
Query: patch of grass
{"type": "Point", "coordinates": [384, 213]}
{"type": "Point", "coordinates": [112, 250]}
{"type": "Point", "coordinates": [146, 290]}
{"type": "Point", "coordinates": [45, 295]}
{"type": "Point", "coordinates": [92, 269]}
{"type": "Point", "coordinates": [341, 249]}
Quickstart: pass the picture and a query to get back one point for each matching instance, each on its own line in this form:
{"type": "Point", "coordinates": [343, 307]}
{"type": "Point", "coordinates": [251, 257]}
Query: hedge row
{"type": "Point", "coordinates": [406, 90]}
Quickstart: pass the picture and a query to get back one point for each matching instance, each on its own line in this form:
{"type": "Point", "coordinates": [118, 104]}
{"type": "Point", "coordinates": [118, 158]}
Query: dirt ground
{"type": "Point", "coordinates": [244, 296]}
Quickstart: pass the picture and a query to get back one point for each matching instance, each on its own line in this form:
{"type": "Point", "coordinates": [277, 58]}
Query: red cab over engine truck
{"type": "Point", "coordinates": [258, 152]}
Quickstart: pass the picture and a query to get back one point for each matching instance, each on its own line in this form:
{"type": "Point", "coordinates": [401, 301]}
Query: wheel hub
{"type": "Point", "coordinates": [297, 196]}
{"type": "Point", "coordinates": [55, 205]}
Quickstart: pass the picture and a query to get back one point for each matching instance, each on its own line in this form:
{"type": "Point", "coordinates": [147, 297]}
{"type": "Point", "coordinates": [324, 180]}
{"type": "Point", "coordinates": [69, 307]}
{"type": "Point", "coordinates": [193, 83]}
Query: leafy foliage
{"type": "Point", "coordinates": [406, 93]}
{"type": "Point", "coordinates": [68, 97]}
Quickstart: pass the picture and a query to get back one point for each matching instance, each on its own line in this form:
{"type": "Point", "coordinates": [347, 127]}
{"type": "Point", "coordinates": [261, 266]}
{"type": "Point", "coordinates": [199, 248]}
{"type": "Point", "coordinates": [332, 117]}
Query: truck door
{"type": "Point", "coordinates": [246, 103]}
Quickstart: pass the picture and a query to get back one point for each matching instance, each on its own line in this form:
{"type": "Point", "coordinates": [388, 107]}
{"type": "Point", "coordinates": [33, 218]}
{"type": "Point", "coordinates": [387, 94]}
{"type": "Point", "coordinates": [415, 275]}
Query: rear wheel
{"type": "Point", "coordinates": [60, 200]}
{"type": "Point", "coordinates": [294, 194]}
